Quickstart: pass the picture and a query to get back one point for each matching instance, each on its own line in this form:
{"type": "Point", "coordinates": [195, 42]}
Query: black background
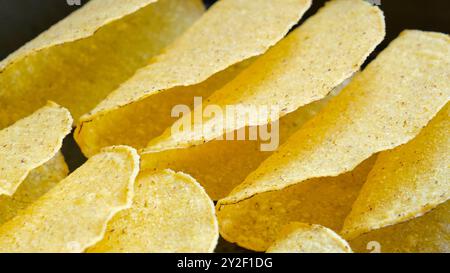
{"type": "Point", "coordinates": [22, 20]}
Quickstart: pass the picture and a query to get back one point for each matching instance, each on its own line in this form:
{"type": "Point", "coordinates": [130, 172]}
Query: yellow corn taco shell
{"type": "Point", "coordinates": [230, 32]}
{"type": "Point", "coordinates": [301, 69]}
{"type": "Point", "coordinates": [306, 238]}
{"type": "Point", "coordinates": [429, 233]}
{"type": "Point", "coordinates": [254, 223]}
{"type": "Point", "coordinates": [73, 215]}
{"type": "Point", "coordinates": [170, 213]}
{"type": "Point", "coordinates": [31, 142]}
{"type": "Point", "coordinates": [37, 183]}
{"type": "Point", "coordinates": [84, 57]}
{"type": "Point", "coordinates": [220, 165]}
{"type": "Point", "coordinates": [406, 182]}
{"type": "Point", "coordinates": [379, 110]}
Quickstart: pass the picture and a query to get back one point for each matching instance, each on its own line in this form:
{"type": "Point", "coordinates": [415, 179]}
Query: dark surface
{"type": "Point", "coordinates": [22, 20]}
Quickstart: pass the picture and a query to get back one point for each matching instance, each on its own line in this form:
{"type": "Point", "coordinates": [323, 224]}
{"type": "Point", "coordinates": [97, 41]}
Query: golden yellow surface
{"type": "Point", "coordinates": [73, 215]}
{"type": "Point", "coordinates": [170, 213]}
{"type": "Point", "coordinates": [380, 109]}
{"type": "Point", "coordinates": [405, 182]}
{"type": "Point", "coordinates": [298, 237]}
{"type": "Point", "coordinates": [254, 223]}
{"type": "Point", "coordinates": [37, 183]}
{"type": "Point", "coordinates": [228, 33]}
{"type": "Point", "coordinates": [31, 142]}
{"type": "Point", "coordinates": [89, 54]}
